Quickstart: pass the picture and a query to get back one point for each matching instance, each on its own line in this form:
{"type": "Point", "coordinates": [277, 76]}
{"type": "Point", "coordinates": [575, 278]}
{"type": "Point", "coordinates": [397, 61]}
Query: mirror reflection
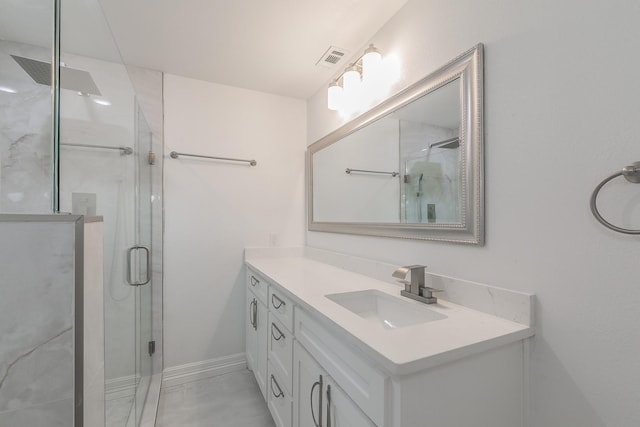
{"type": "Point", "coordinates": [429, 144]}
{"type": "Point", "coordinates": [402, 168]}
{"type": "Point", "coordinates": [412, 167]}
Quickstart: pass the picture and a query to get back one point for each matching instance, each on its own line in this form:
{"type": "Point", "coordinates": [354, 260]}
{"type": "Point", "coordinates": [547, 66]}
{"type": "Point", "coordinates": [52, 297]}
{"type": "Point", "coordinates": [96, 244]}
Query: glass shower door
{"type": "Point", "coordinates": [117, 185]}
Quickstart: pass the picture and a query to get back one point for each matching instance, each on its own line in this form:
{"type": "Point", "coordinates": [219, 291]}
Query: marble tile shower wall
{"type": "Point", "coordinates": [36, 323]}
{"type": "Point", "coordinates": [25, 134]}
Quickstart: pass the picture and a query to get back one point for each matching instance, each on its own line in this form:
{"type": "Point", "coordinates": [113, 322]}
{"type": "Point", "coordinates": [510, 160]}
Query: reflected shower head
{"type": "Point", "coordinates": [447, 143]}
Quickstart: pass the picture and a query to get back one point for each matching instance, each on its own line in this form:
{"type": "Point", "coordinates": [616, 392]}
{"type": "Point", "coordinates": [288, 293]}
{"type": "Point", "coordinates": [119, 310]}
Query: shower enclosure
{"type": "Point", "coordinates": [80, 138]}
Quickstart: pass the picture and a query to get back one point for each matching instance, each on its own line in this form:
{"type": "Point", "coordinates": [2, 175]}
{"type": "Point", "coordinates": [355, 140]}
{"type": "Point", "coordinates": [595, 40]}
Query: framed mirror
{"type": "Point", "coordinates": [412, 167]}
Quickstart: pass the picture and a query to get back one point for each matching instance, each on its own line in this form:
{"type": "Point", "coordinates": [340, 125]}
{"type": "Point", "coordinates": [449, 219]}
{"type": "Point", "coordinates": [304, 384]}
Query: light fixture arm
{"type": "Point", "coordinates": [358, 62]}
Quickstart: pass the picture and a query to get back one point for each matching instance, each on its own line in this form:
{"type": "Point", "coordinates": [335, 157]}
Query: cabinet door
{"type": "Point", "coordinates": [342, 411]}
{"type": "Point", "coordinates": [279, 400]}
{"type": "Point", "coordinates": [251, 334]}
{"type": "Point", "coordinates": [260, 363]}
{"type": "Point", "coordinates": [308, 390]}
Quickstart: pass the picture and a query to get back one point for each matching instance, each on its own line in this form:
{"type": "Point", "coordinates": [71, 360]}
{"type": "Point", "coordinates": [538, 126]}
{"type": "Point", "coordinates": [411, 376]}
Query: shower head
{"type": "Point", "coordinates": [70, 78]}
{"type": "Point", "coordinates": [447, 143]}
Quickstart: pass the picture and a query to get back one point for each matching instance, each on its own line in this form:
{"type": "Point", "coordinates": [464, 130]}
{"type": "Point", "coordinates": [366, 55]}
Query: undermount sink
{"type": "Point", "coordinates": [384, 309]}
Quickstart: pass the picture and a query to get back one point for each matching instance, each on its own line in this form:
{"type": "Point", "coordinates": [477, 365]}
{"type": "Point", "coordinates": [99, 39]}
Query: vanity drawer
{"type": "Point", "coordinates": [281, 306]}
{"type": "Point", "coordinates": [281, 351]}
{"type": "Point", "coordinates": [363, 383]}
{"type": "Point", "coordinates": [279, 400]}
{"type": "Point", "coordinates": [258, 285]}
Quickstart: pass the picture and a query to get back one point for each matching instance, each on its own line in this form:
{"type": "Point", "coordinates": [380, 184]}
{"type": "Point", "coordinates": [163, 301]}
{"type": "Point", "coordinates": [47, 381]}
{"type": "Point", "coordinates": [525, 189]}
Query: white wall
{"type": "Point", "coordinates": [562, 113]}
{"type": "Point", "coordinates": [213, 210]}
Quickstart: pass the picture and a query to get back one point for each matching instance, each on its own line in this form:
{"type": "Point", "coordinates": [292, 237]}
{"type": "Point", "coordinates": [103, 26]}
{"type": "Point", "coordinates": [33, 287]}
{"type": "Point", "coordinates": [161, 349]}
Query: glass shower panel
{"type": "Point", "coordinates": [144, 340]}
{"type": "Point", "coordinates": [26, 33]}
{"type": "Point", "coordinates": [104, 171]}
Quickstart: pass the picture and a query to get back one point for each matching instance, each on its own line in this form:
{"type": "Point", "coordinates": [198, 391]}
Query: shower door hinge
{"type": "Point", "coordinates": [152, 158]}
{"type": "Point", "coordinates": [152, 347]}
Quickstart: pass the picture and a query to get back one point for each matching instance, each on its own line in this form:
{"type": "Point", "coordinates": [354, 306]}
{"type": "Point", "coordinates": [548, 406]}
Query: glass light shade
{"type": "Point", "coordinates": [371, 63]}
{"type": "Point", "coordinates": [335, 96]}
{"type": "Point", "coordinates": [351, 80]}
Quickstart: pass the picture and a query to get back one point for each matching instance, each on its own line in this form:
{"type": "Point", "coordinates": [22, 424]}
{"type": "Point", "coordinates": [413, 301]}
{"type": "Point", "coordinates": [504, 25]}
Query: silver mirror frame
{"type": "Point", "coordinates": [469, 68]}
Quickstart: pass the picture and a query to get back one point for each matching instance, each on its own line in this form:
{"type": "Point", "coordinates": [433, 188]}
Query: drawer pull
{"type": "Point", "coordinates": [317, 423]}
{"type": "Point", "coordinates": [280, 334]}
{"type": "Point", "coordinates": [280, 393]}
{"type": "Point", "coordinates": [254, 281]}
{"type": "Point", "coordinates": [280, 302]}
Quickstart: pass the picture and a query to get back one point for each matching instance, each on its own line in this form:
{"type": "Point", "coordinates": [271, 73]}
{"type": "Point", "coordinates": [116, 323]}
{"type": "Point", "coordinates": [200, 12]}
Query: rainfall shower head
{"type": "Point", "coordinates": [447, 143]}
{"type": "Point", "coordinates": [70, 78]}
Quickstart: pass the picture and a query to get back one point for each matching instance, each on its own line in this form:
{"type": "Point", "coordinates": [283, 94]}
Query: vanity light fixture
{"type": "Point", "coordinates": [345, 89]}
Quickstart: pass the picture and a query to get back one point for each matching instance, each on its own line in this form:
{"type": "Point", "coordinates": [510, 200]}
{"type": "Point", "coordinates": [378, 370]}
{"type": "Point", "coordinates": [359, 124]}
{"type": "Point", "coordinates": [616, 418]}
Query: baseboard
{"type": "Point", "coordinates": [181, 374]}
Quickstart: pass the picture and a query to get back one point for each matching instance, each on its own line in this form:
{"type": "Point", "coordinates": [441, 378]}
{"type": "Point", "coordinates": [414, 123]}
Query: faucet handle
{"type": "Point", "coordinates": [406, 283]}
{"type": "Point", "coordinates": [427, 292]}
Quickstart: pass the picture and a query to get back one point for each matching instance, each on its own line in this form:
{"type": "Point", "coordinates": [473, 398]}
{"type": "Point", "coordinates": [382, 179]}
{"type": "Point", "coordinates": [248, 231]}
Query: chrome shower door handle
{"type": "Point", "coordinates": [130, 253]}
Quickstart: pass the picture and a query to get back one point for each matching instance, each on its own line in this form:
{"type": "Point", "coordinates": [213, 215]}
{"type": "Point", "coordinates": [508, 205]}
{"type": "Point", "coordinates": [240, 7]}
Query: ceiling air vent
{"type": "Point", "coordinates": [332, 57]}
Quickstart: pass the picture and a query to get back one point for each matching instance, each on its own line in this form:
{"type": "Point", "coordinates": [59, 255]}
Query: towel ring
{"type": "Point", "coordinates": [632, 174]}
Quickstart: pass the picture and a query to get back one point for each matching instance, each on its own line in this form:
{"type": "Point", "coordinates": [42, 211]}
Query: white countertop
{"type": "Point", "coordinates": [399, 351]}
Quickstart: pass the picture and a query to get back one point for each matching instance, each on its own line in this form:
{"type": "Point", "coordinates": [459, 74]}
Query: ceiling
{"type": "Point", "coordinates": [266, 45]}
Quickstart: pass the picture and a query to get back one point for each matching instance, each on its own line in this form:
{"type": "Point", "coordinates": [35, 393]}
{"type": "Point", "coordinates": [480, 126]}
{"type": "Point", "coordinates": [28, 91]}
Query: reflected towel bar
{"type": "Point", "coordinates": [124, 150]}
{"type": "Point", "coordinates": [349, 170]}
{"type": "Point", "coordinates": [175, 155]}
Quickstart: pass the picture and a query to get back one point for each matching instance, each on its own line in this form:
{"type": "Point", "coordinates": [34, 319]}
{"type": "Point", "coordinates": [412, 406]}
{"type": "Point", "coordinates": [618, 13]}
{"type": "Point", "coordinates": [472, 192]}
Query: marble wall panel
{"type": "Point", "coordinates": [36, 322]}
{"type": "Point", "coordinates": [94, 406]}
{"type": "Point", "coordinates": [25, 134]}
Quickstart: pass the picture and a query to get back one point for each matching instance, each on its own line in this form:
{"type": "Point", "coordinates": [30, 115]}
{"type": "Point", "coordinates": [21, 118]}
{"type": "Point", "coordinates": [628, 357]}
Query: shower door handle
{"type": "Point", "coordinates": [130, 252]}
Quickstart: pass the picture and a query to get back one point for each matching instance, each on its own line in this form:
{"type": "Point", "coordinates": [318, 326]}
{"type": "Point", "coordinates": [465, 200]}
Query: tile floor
{"type": "Point", "coordinates": [229, 400]}
{"type": "Point", "coordinates": [117, 411]}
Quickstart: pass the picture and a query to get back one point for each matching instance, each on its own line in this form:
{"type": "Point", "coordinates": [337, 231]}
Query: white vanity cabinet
{"type": "Point", "coordinates": [280, 355]}
{"type": "Point", "coordinates": [256, 329]}
{"type": "Point", "coordinates": [269, 344]}
{"type": "Point", "coordinates": [314, 371]}
{"type": "Point", "coordinates": [318, 400]}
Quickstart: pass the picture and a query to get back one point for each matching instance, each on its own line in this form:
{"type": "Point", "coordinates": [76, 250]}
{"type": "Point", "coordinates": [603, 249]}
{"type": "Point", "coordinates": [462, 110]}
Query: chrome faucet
{"type": "Point", "coordinates": [415, 288]}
